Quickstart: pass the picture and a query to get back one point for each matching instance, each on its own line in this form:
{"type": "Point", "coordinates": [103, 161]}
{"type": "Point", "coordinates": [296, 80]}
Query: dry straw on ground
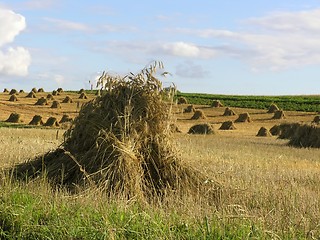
{"type": "Point", "coordinates": [229, 112]}
{"type": "Point", "coordinates": [31, 95]}
{"type": "Point", "coordinates": [51, 122]}
{"type": "Point", "coordinates": [244, 117]}
{"type": "Point", "coordinates": [204, 128]}
{"type": "Point", "coordinates": [36, 120]}
{"type": "Point", "coordinates": [41, 101]}
{"type": "Point", "coordinates": [67, 99]}
{"type": "Point", "coordinates": [228, 125]}
{"type": "Point", "coordinates": [55, 104]}
{"type": "Point", "coordinates": [189, 109]}
{"type": "Point", "coordinates": [14, 118]}
{"type": "Point", "coordinates": [198, 114]}
{"type": "Point", "coordinates": [216, 103]}
{"type": "Point", "coordinates": [182, 100]}
{"type": "Point", "coordinates": [13, 98]}
{"type": "Point", "coordinates": [121, 143]}
{"type": "Point", "coordinates": [263, 132]}
{"type": "Point", "coordinates": [279, 115]}
{"type": "Point", "coordinates": [273, 108]}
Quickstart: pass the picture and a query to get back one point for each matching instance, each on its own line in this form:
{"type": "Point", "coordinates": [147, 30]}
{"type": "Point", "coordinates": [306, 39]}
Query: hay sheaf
{"type": "Point", "coordinates": [244, 117]}
{"type": "Point", "coordinates": [229, 112]}
{"type": "Point", "coordinates": [316, 120]}
{"type": "Point", "coordinates": [34, 90]}
{"type": "Point", "coordinates": [13, 98]}
{"type": "Point", "coordinates": [59, 90]}
{"type": "Point", "coordinates": [50, 96]}
{"type": "Point", "coordinates": [5, 90]}
{"type": "Point", "coordinates": [182, 100]}
{"type": "Point", "coordinates": [263, 132]}
{"type": "Point", "coordinates": [273, 108]}
{"type": "Point", "coordinates": [14, 118]}
{"type": "Point", "coordinates": [13, 91]}
{"type": "Point", "coordinates": [204, 128]}
{"type": "Point", "coordinates": [216, 103]}
{"type": "Point", "coordinates": [51, 122]}
{"type": "Point", "coordinates": [198, 114]}
{"type": "Point", "coordinates": [66, 118]}
{"type": "Point", "coordinates": [31, 95]}
{"type": "Point", "coordinates": [279, 114]}
{"type": "Point", "coordinates": [306, 136]}
{"type": "Point", "coordinates": [189, 109]}
{"type": "Point", "coordinates": [41, 101]}
{"type": "Point", "coordinates": [83, 95]}
{"type": "Point", "coordinates": [55, 104]}
{"type": "Point", "coordinates": [228, 125]}
{"type": "Point", "coordinates": [40, 90]}
{"type": "Point", "coordinates": [120, 143]}
{"type": "Point", "coordinates": [36, 120]}
{"type": "Point", "coordinates": [67, 99]}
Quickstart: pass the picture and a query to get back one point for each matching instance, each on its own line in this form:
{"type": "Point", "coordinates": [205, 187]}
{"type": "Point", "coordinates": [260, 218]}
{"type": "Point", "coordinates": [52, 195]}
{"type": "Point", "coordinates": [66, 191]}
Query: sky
{"type": "Point", "coordinates": [247, 47]}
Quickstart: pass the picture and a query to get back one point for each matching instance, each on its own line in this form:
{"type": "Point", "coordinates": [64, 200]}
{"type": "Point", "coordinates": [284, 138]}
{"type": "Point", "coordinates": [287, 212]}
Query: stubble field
{"type": "Point", "coordinates": [269, 190]}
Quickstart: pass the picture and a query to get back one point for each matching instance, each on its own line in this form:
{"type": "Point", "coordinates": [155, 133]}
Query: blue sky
{"type": "Point", "coordinates": [225, 47]}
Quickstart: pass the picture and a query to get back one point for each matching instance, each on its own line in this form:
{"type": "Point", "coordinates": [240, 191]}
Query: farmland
{"type": "Point", "coordinates": [269, 190]}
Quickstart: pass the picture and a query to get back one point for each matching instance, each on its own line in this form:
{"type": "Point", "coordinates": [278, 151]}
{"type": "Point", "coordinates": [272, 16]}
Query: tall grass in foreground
{"type": "Point", "coordinates": [270, 191]}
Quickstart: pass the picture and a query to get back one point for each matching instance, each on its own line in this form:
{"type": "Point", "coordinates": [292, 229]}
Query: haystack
{"type": "Point", "coordinates": [279, 115]}
{"type": "Point", "coordinates": [228, 112]}
{"type": "Point", "coordinates": [182, 100]}
{"type": "Point", "coordinates": [81, 91]}
{"type": "Point", "coordinates": [55, 104]}
{"type": "Point", "coordinates": [60, 90]}
{"type": "Point", "coordinates": [51, 122]}
{"type": "Point", "coordinates": [66, 118]}
{"type": "Point", "coordinates": [287, 130]}
{"type": "Point", "coordinates": [67, 99]}
{"type": "Point", "coordinates": [306, 136]}
{"type": "Point", "coordinates": [263, 132]}
{"type": "Point", "coordinates": [121, 144]}
{"type": "Point", "coordinates": [189, 109]}
{"type": "Point", "coordinates": [50, 96]}
{"type": "Point", "coordinates": [55, 93]}
{"type": "Point", "coordinates": [13, 98]}
{"type": "Point", "coordinates": [244, 117]}
{"type": "Point", "coordinates": [316, 120]}
{"type": "Point", "coordinates": [14, 118]}
{"type": "Point", "coordinates": [42, 101]}
{"type": "Point", "coordinates": [83, 96]}
{"type": "Point", "coordinates": [228, 125]}
{"type": "Point", "coordinates": [216, 103]}
{"type": "Point", "coordinates": [5, 90]}
{"type": "Point", "coordinates": [31, 95]}
{"type": "Point", "coordinates": [275, 130]}
{"type": "Point", "coordinates": [13, 91]}
{"type": "Point", "coordinates": [198, 114]}
{"type": "Point", "coordinates": [34, 90]}
{"type": "Point", "coordinates": [273, 108]}
{"type": "Point", "coordinates": [36, 120]}
{"type": "Point", "coordinates": [40, 90]}
{"type": "Point", "coordinates": [21, 91]}
{"type": "Point", "coordinates": [204, 128]}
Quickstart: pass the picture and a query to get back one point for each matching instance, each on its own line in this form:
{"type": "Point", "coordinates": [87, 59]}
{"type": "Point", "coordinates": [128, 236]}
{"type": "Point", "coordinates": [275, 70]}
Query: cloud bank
{"type": "Point", "coordinates": [13, 60]}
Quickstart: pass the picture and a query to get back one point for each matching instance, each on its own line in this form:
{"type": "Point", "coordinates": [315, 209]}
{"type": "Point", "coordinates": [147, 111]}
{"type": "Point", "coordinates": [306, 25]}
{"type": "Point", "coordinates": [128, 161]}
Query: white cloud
{"type": "Point", "coordinates": [274, 42]}
{"type": "Point", "coordinates": [189, 69]}
{"type": "Point", "coordinates": [66, 25]}
{"type": "Point", "coordinates": [39, 4]}
{"type": "Point", "coordinates": [13, 61]}
{"type": "Point", "coordinates": [183, 49]}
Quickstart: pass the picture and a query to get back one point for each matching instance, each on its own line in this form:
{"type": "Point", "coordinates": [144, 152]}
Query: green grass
{"type": "Point", "coordinates": [290, 103]}
{"type": "Point", "coordinates": [25, 214]}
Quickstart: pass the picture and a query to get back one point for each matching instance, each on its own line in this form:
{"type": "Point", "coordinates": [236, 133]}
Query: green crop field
{"type": "Point", "coordinates": [290, 103]}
